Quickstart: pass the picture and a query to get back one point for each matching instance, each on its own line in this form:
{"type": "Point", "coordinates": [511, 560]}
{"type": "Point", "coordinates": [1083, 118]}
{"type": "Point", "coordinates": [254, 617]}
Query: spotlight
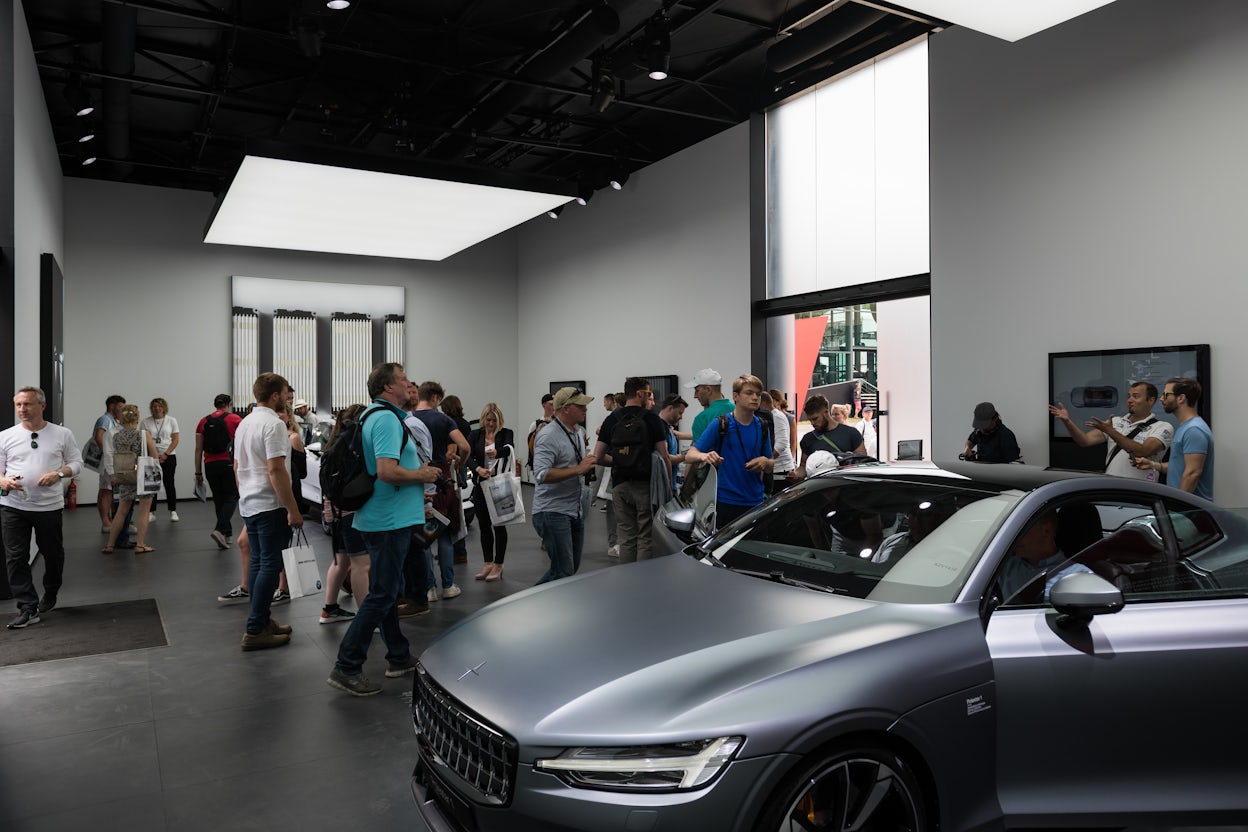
{"type": "Point", "coordinates": [619, 178]}
{"type": "Point", "coordinates": [86, 155]}
{"type": "Point", "coordinates": [87, 135]}
{"type": "Point", "coordinates": [603, 89]}
{"type": "Point", "coordinates": [78, 98]}
{"type": "Point", "coordinates": [308, 37]}
{"type": "Point", "coordinates": [584, 193]}
{"type": "Point", "coordinates": [657, 47]}
{"type": "Point", "coordinates": [338, 5]}
{"type": "Point", "coordinates": [554, 213]}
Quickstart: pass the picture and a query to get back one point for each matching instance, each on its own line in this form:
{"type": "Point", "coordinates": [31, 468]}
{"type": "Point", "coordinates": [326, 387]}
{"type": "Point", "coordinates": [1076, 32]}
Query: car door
{"type": "Point", "coordinates": [1134, 712]}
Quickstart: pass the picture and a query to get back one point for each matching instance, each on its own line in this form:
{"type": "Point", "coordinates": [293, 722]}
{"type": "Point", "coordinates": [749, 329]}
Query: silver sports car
{"type": "Point", "coordinates": [881, 648]}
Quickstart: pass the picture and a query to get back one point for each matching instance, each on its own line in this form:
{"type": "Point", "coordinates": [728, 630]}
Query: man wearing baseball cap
{"type": "Point", "coordinates": [707, 389]}
{"type": "Point", "coordinates": [561, 460]}
{"type": "Point", "coordinates": [990, 439]}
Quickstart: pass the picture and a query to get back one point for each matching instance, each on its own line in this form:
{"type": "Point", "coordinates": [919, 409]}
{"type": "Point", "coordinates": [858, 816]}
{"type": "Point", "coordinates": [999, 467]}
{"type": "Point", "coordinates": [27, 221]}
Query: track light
{"type": "Point", "coordinates": [618, 179]}
{"type": "Point", "coordinates": [554, 213]}
{"type": "Point", "coordinates": [338, 5]}
{"type": "Point", "coordinates": [603, 89]}
{"type": "Point", "coordinates": [86, 155]}
{"type": "Point", "coordinates": [657, 47]}
{"type": "Point", "coordinates": [584, 193]}
{"type": "Point", "coordinates": [88, 132]}
{"type": "Point", "coordinates": [79, 99]}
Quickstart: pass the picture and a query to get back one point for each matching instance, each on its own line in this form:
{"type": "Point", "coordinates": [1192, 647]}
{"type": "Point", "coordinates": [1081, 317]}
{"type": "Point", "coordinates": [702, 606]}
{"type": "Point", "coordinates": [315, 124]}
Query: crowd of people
{"type": "Point", "coordinates": [396, 552]}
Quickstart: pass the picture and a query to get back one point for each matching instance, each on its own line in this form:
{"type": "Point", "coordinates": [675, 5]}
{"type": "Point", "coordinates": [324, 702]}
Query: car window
{"type": "Point", "coordinates": [910, 541]}
{"type": "Point", "coordinates": [1124, 541]}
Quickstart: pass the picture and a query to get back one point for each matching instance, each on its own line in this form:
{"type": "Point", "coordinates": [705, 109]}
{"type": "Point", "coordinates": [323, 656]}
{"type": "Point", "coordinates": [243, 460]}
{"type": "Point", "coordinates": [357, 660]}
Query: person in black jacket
{"type": "Point", "coordinates": [488, 445]}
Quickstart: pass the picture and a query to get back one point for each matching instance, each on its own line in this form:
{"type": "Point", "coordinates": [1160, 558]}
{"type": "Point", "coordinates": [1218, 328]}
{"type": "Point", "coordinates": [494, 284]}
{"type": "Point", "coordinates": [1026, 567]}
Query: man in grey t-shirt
{"type": "Point", "coordinates": [560, 462]}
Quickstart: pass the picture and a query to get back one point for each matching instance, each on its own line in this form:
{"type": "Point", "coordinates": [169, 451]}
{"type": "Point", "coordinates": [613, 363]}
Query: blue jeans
{"type": "Point", "coordinates": [386, 553]}
{"type": "Point", "coordinates": [564, 536]}
{"type": "Point", "coordinates": [446, 562]}
{"type": "Point", "coordinates": [269, 533]}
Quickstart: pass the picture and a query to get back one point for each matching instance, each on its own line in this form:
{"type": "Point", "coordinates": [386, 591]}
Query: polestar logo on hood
{"type": "Point", "coordinates": [470, 671]}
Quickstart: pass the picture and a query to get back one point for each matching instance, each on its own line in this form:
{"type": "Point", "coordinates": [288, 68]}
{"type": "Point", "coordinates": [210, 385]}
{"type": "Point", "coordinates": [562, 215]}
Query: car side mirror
{"type": "Point", "coordinates": [1080, 596]}
{"type": "Point", "coordinates": [680, 520]}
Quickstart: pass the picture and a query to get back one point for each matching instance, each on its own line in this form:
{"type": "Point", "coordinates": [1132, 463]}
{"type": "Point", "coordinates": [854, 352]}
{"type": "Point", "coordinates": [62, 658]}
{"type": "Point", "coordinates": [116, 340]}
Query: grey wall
{"type": "Point", "coordinates": [1088, 186]}
{"type": "Point", "coordinates": [37, 223]}
{"type": "Point", "coordinates": [650, 280]}
{"type": "Point", "coordinates": [148, 307]}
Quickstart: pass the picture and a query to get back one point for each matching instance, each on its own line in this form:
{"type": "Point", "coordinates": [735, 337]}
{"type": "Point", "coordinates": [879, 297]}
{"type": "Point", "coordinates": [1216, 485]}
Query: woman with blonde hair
{"type": "Point", "coordinates": [128, 438]}
{"type": "Point", "coordinates": [164, 431]}
{"type": "Point", "coordinates": [487, 444]}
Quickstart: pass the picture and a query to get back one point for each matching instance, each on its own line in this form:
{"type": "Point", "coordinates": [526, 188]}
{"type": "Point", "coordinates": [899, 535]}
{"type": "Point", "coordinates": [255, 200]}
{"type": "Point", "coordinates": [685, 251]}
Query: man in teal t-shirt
{"type": "Point", "coordinates": [708, 390]}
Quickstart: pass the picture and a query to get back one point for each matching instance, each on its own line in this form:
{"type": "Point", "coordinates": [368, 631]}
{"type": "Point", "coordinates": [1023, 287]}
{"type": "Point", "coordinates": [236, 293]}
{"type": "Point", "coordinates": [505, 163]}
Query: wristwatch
{"type": "Point", "coordinates": [60, 475]}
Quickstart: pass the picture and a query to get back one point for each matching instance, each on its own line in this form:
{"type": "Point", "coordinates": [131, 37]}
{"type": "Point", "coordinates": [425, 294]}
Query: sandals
{"type": "Point", "coordinates": [141, 549]}
{"type": "Point", "coordinates": [108, 550]}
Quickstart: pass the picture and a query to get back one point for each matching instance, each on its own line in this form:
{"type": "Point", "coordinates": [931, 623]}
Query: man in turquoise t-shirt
{"type": "Point", "coordinates": [1190, 467]}
{"type": "Point", "coordinates": [708, 390]}
{"type": "Point", "coordinates": [385, 522]}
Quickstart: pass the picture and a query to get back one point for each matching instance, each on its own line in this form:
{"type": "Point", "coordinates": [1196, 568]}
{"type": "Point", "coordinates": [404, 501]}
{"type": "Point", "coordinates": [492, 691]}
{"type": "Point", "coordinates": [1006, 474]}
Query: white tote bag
{"type": "Point", "coordinates": [303, 576]}
{"type": "Point", "coordinates": [148, 475]}
{"type": "Point", "coordinates": [503, 496]}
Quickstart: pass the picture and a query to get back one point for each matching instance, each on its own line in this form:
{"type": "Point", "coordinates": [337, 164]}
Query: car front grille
{"type": "Point", "coordinates": [481, 756]}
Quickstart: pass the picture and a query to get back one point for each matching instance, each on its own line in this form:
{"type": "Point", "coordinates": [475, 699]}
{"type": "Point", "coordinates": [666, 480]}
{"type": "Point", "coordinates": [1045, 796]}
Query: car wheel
{"type": "Point", "coordinates": [853, 788]}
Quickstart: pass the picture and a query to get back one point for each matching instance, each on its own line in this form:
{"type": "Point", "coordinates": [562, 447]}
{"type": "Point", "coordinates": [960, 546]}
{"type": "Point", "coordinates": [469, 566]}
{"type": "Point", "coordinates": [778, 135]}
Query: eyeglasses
{"type": "Point", "coordinates": [1169, 395]}
{"type": "Point", "coordinates": [33, 443]}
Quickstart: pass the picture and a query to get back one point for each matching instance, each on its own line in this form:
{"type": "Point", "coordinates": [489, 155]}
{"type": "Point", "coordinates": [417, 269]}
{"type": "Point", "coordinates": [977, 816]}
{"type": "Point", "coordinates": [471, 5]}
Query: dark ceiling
{"type": "Point", "coordinates": [554, 88]}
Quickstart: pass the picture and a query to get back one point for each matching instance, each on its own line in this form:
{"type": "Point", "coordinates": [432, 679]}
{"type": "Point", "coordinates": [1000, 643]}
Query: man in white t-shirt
{"type": "Point", "coordinates": [1140, 434]}
{"type": "Point", "coordinates": [266, 500]}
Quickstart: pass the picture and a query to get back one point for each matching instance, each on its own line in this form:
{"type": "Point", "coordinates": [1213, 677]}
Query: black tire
{"type": "Point", "coordinates": [854, 787]}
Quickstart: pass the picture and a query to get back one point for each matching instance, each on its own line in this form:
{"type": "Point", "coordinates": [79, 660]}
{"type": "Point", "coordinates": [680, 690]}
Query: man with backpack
{"type": "Point", "coordinates": [548, 412]}
{"type": "Point", "coordinates": [214, 459]}
{"type": "Point", "coordinates": [386, 520]}
{"type": "Point", "coordinates": [626, 442]}
{"type": "Point", "coordinates": [739, 444]}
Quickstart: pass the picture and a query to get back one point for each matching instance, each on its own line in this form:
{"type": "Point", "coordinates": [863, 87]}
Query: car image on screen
{"type": "Point", "coordinates": [885, 647]}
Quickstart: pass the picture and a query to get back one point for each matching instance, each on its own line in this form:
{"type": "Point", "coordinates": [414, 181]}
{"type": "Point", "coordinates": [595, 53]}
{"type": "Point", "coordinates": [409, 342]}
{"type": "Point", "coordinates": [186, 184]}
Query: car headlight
{"type": "Point", "coordinates": [665, 767]}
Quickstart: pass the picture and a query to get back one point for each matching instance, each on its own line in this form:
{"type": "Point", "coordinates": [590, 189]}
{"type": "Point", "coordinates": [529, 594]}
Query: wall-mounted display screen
{"type": "Point", "coordinates": [1095, 383]}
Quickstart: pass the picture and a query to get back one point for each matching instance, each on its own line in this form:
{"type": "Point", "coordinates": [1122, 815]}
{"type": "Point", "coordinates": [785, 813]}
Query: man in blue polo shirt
{"type": "Point", "coordinates": [385, 522]}
{"type": "Point", "coordinates": [741, 452]}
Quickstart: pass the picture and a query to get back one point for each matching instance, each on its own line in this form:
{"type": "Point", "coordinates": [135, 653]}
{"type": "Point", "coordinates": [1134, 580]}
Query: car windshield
{"type": "Point", "coordinates": [910, 538]}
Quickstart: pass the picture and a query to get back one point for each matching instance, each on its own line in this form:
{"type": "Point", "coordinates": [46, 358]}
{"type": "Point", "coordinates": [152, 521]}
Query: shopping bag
{"type": "Point", "coordinates": [503, 499]}
{"type": "Point", "coordinates": [149, 475]}
{"type": "Point", "coordinates": [201, 491]}
{"type": "Point", "coordinates": [303, 576]}
{"type": "Point", "coordinates": [604, 490]}
{"type": "Point", "coordinates": [92, 455]}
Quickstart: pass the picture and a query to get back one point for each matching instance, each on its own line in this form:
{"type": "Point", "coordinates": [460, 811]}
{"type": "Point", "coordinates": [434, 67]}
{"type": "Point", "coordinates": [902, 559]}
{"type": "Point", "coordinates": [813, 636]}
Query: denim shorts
{"type": "Point", "coordinates": [347, 538]}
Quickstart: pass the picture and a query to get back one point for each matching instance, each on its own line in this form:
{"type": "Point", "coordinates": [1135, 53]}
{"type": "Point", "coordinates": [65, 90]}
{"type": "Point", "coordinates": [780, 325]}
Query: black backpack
{"type": "Point", "coordinates": [630, 444]}
{"type": "Point", "coordinates": [345, 480]}
{"type": "Point", "coordinates": [217, 439]}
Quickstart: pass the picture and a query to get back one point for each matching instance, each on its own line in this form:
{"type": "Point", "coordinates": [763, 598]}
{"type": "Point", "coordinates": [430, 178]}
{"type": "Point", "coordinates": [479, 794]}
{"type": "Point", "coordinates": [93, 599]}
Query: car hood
{"type": "Point", "coordinates": [669, 646]}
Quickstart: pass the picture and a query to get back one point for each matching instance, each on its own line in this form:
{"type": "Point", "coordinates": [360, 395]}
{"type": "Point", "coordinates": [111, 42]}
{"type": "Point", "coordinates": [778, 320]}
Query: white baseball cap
{"type": "Point", "coordinates": [821, 461]}
{"type": "Point", "coordinates": [707, 376]}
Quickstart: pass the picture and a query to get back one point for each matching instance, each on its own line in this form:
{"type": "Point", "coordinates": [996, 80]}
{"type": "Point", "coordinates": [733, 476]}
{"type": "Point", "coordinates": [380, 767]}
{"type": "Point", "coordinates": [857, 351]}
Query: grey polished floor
{"type": "Point", "coordinates": [199, 735]}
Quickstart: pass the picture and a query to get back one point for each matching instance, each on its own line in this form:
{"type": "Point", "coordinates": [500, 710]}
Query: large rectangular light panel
{"type": "Point", "coordinates": [302, 206]}
{"type": "Point", "coordinates": [1006, 19]}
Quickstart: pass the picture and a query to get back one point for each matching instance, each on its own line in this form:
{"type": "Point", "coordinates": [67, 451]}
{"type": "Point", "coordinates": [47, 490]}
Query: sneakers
{"type": "Point", "coordinates": [336, 615]}
{"type": "Point", "coordinates": [24, 619]}
{"type": "Point", "coordinates": [151, 517]}
{"type": "Point", "coordinates": [613, 551]}
{"type": "Point", "coordinates": [221, 540]}
{"type": "Point", "coordinates": [47, 603]}
{"type": "Point", "coordinates": [278, 629]}
{"type": "Point", "coordinates": [281, 596]}
{"type": "Point", "coordinates": [400, 669]}
{"type": "Point", "coordinates": [173, 515]}
{"type": "Point", "coordinates": [410, 609]}
{"type": "Point", "coordinates": [452, 591]}
{"type": "Point", "coordinates": [237, 595]}
{"type": "Point", "coordinates": [357, 685]}
{"type": "Point", "coordinates": [265, 640]}
{"type": "Point", "coordinates": [132, 529]}
{"type": "Point", "coordinates": [432, 594]}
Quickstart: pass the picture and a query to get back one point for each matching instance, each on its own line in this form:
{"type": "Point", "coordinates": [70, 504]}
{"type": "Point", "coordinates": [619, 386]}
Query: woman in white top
{"type": "Point", "coordinates": [163, 429]}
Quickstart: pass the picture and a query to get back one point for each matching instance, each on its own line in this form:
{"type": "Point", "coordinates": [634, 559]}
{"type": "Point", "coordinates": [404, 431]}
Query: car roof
{"type": "Point", "coordinates": [1008, 476]}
